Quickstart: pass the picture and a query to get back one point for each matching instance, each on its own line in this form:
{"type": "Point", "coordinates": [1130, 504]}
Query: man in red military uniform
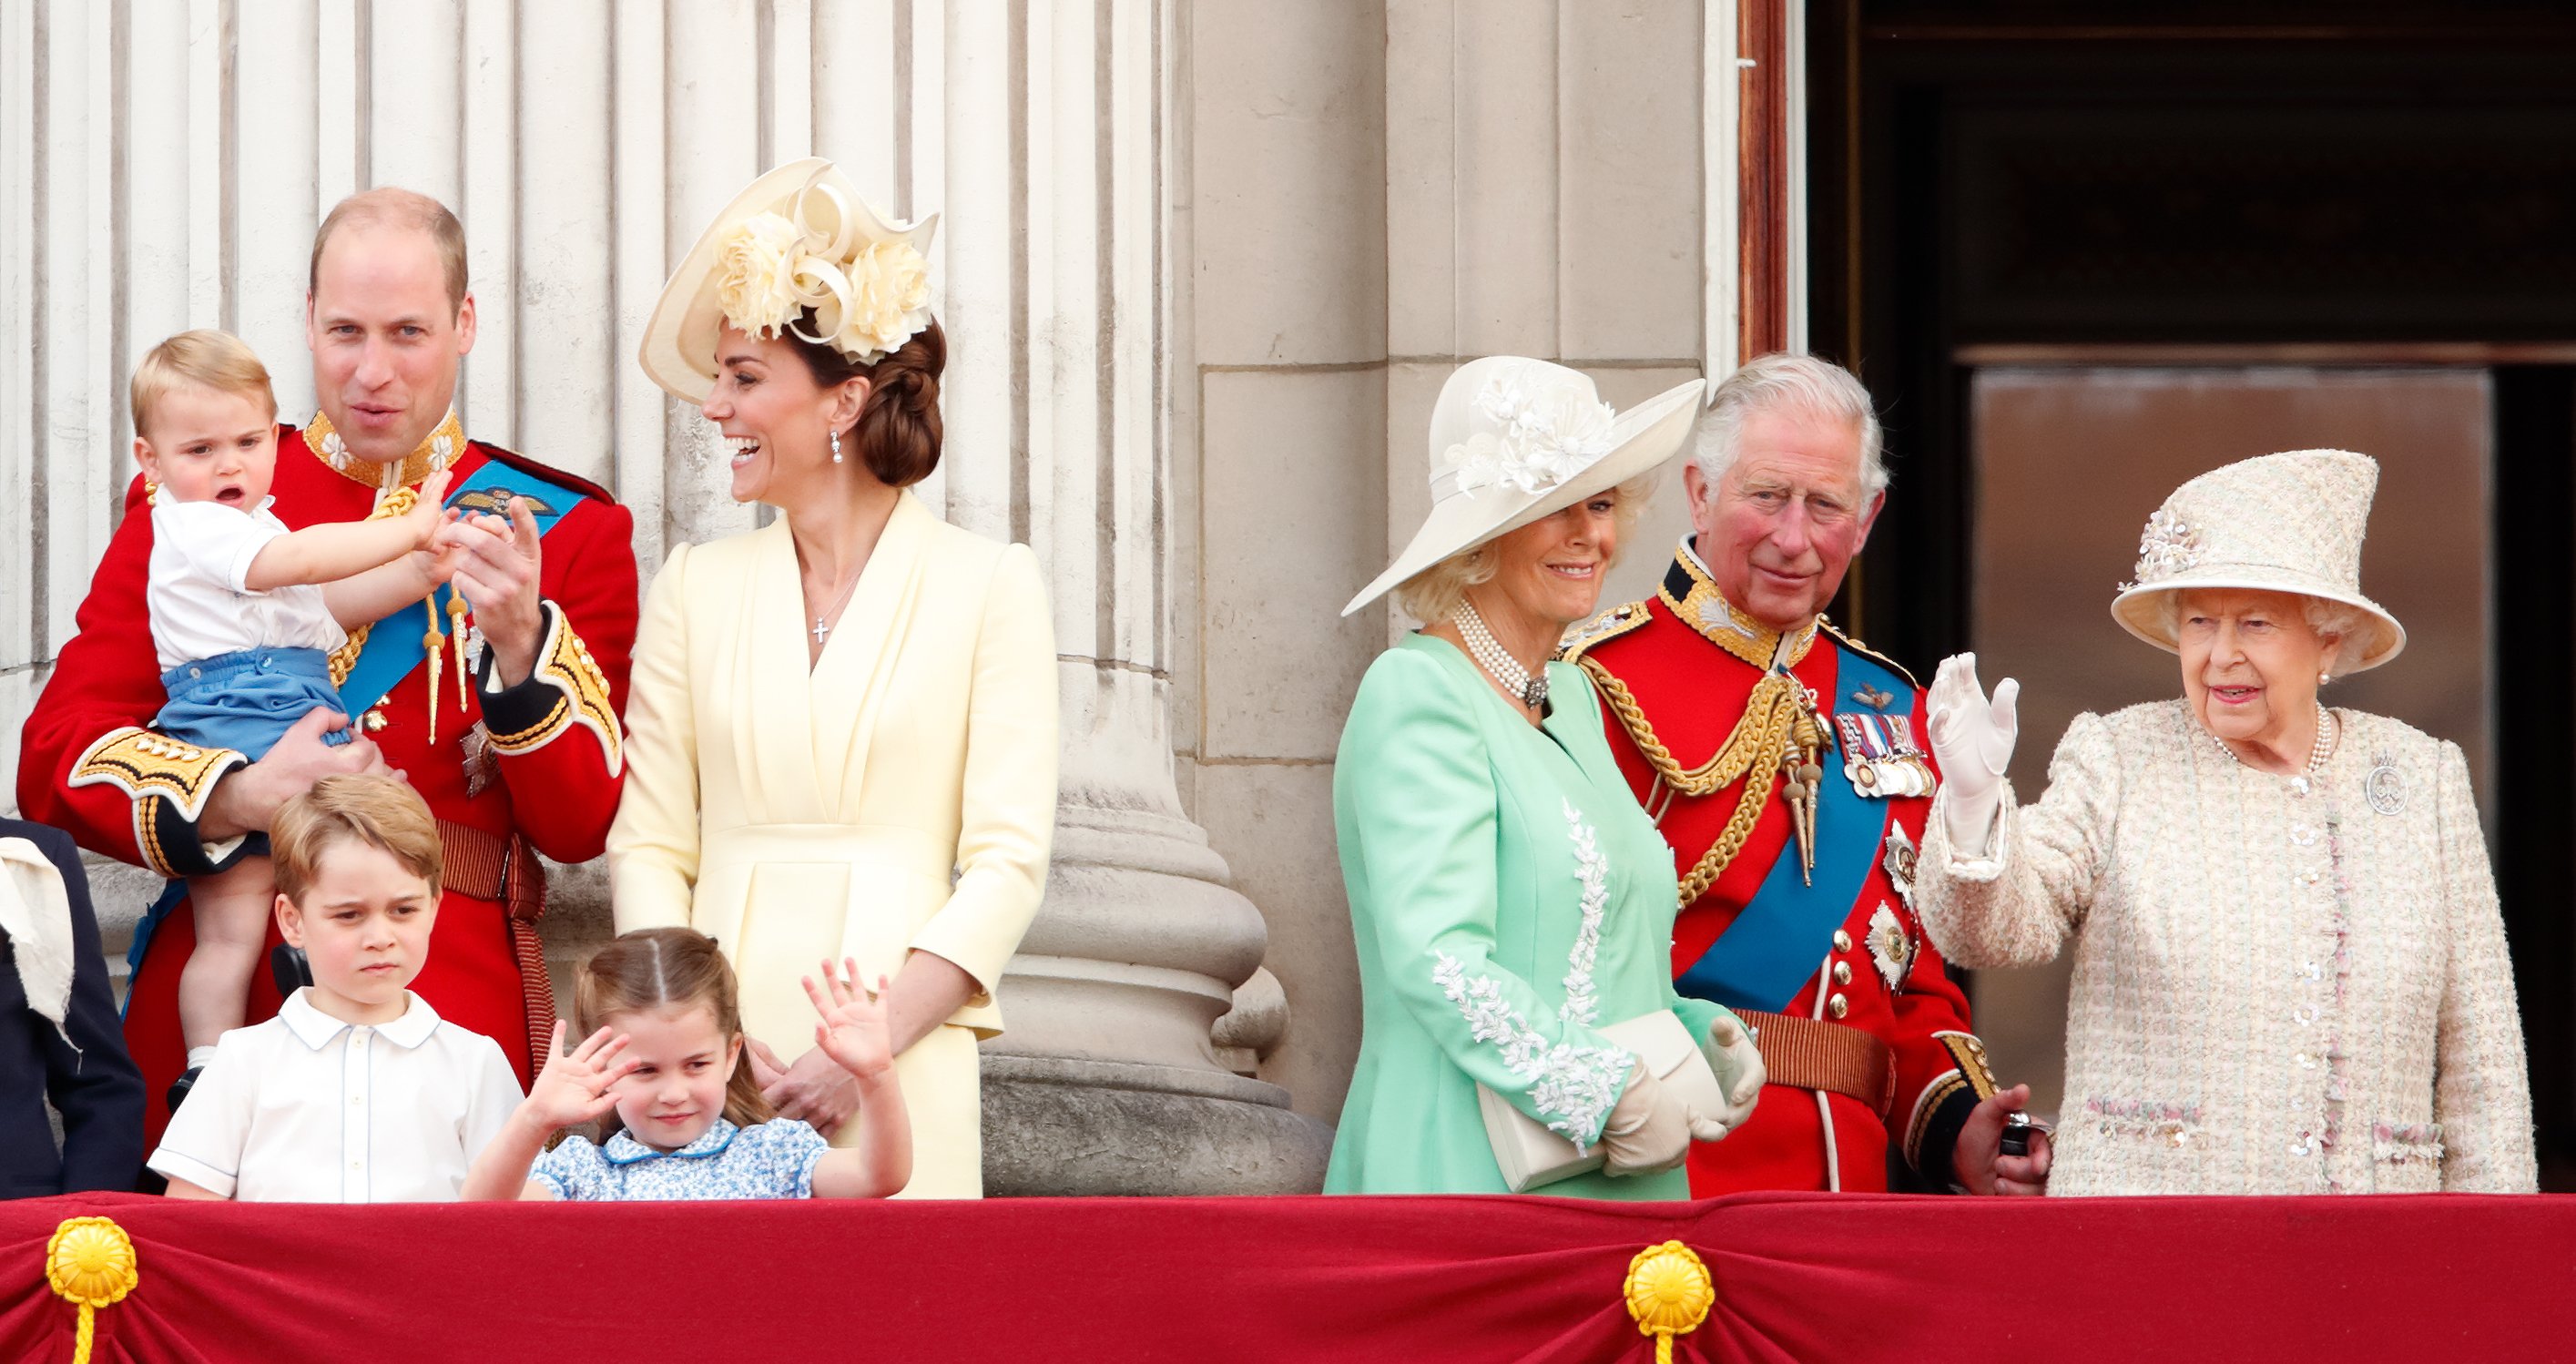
{"type": "Point", "coordinates": [1786, 765]}
{"type": "Point", "coordinates": [501, 706]}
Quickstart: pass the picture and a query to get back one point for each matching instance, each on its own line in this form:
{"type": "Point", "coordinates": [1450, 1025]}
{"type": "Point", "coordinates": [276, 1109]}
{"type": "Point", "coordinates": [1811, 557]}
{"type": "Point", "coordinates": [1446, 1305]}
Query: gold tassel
{"type": "Point", "coordinates": [456, 628]}
{"type": "Point", "coordinates": [434, 642]}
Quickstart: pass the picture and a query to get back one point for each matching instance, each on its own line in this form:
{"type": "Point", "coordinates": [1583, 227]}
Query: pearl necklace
{"type": "Point", "coordinates": [1497, 661]}
{"type": "Point", "coordinates": [2320, 749]}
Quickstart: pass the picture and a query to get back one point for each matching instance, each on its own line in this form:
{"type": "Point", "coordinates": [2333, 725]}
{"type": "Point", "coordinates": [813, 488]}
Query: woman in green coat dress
{"type": "Point", "coordinates": [1508, 896]}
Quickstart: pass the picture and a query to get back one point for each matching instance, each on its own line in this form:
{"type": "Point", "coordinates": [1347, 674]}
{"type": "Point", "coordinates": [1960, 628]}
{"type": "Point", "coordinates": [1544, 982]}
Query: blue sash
{"type": "Point", "coordinates": [394, 645]}
{"type": "Point", "coordinates": [1777, 943]}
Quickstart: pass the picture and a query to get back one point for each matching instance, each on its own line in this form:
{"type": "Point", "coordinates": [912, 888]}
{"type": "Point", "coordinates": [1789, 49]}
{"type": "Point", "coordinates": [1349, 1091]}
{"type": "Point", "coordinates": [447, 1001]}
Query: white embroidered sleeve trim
{"type": "Point", "coordinates": [1583, 1003]}
{"type": "Point", "coordinates": [1573, 1088]}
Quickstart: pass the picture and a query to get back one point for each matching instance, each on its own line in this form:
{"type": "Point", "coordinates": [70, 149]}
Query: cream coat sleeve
{"type": "Point", "coordinates": [2016, 905]}
{"type": "Point", "coordinates": [653, 846]}
{"type": "Point", "coordinates": [2481, 1088]}
{"type": "Point", "coordinates": [1007, 825]}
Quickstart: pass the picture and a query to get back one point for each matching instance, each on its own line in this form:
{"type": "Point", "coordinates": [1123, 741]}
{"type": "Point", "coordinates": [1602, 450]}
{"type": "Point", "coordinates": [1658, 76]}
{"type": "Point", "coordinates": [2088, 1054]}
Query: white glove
{"type": "Point", "coordinates": [1973, 739]}
{"type": "Point", "coordinates": [1648, 1131]}
{"type": "Point", "coordinates": [1738, 1062]}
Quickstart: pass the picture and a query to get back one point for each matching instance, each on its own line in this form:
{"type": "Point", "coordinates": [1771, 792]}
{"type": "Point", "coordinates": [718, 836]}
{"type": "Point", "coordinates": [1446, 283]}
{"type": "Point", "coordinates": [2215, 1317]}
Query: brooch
{"type": "Point", "coordinates": [1900, 860]}
{"type": "Point", "coordinates": [2382, 788]}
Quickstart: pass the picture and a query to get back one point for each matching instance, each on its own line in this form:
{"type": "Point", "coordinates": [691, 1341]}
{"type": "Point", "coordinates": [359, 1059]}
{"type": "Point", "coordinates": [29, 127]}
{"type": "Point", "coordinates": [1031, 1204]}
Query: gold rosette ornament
{"type": "Point", "coordinates": [1668, 1293]}
{"type": "Point", "coordinates": [90, 1263]}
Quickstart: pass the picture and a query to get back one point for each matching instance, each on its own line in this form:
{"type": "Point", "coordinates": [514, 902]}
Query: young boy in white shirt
{"type": "Point", "coordinates": [245, 615]}
{"type": "Point", "coordinates": [356, 1092]}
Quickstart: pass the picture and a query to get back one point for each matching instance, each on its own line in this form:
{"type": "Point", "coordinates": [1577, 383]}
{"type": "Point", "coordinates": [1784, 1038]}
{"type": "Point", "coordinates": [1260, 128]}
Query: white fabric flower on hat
{"type": "Point", "coordinates": [1540, 439]}
{"type": "Point", "coordinates": [757, 286]}
{"type": "Point", "coordinates": [889, 301]}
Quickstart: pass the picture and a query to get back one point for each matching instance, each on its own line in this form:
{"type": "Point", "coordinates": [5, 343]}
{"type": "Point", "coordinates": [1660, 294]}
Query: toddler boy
{"type": "Point", "coordinates": [245, 614]}
{"type": "Point", "coordinates": [356, 1092]}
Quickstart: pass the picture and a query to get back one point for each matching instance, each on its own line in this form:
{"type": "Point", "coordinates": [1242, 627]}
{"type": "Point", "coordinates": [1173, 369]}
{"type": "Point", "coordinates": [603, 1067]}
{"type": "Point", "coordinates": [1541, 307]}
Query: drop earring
{"type": "Point", "coordinates": [836, 447]}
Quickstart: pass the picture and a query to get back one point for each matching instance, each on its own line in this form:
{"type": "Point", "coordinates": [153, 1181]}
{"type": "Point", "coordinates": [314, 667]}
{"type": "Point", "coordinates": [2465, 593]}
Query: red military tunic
{"type": "Point", "coordinates": [1677, 673]}
{"type": "Point", "coordinates": [549, 784]}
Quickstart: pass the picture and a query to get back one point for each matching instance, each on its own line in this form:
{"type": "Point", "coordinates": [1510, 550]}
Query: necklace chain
{"type": "Point", "coordinates": [821, 630]}
{"type": "Point", "coordinates": [1497, 661]}
{"type": "Point", "coordinates": [2329, 730]}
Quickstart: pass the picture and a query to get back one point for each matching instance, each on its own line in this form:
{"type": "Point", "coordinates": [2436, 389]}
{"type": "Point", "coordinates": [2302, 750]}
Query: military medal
{"type": "Point", "coordinates": [1880, 755]}
{"type": "Point", "coordinates": [482, 764]}
{"type": "Point", "coordinates": [1899, 861]}
{"type": "Point", "coordinates": [1891, 948]}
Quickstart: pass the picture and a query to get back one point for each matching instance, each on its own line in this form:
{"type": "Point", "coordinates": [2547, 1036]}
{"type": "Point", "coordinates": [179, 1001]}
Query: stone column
{"type": "Point", "coordinates": [1109, 1078]}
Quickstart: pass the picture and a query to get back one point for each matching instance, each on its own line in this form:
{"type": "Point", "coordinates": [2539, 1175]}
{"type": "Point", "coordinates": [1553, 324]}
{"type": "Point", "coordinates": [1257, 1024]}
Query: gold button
{"type": "Point", "coordinates": [1842, 973]}
{"type": "Point", "coordinates": [1842, 941]}
{"type": "Point", "coordinates": [1837, 1006]}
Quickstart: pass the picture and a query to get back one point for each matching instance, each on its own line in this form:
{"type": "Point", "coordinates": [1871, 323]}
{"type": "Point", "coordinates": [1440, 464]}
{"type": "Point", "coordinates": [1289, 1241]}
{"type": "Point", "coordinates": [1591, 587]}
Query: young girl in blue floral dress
{"type": "Point", "coordinates": [663, 1071]}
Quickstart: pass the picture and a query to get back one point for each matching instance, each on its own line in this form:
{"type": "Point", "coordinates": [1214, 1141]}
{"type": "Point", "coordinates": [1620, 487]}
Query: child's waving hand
{"type": "Point", "coordinates": [853, 1031]}
{"type": "Point", "coordinates": [578, 1086]}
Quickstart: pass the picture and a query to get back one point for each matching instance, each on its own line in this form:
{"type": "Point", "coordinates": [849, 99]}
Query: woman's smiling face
{"type": "Point", "coordinates": [777, 422]}
{"type": "Point", "coordinates": [2250, 662]}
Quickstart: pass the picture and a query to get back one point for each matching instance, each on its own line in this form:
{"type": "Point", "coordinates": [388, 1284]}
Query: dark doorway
{"type": "Point", "coordinates": [1997, 187]}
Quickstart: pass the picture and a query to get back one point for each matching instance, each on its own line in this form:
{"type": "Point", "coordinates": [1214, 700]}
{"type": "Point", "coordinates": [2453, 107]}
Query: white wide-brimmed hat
{"type": "Point", "coordinates": [2276, 523]}
{"type": "Point", "coordinates": [1513, 440]}
{"type": "Point", "coordinates": [798, 237]}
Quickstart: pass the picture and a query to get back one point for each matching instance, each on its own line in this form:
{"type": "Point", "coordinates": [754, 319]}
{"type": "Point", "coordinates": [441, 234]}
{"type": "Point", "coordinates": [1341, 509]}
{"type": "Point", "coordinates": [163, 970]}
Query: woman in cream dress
{"type": "Point", "coordinates": [842, 731]}
{"type": "Point", "coordinates": [2290, 968]}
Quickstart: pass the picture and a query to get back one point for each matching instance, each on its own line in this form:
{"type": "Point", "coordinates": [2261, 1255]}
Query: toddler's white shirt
{"type": "Point", "coordinates": [201, 553]}
{"type": "Point", "coordinates": [307, 1109]}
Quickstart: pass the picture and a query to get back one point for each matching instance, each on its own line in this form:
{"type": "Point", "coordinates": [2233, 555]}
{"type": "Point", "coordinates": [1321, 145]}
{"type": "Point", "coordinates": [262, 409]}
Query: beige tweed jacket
{"type": "Point", "coordinates": [2281, 985]}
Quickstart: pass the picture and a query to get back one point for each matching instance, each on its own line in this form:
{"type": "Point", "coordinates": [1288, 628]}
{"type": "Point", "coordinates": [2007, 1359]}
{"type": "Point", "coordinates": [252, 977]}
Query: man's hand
{"type": "Point", "coordinates": [1977, 1161]}
{"type": "Point", "coordinates": [498, 574]}
{"type": "Point", "coordinates": [246, 799]}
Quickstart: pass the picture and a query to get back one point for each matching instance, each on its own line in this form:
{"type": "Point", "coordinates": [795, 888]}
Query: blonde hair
{"type": "Point", "coordinates": [204, 358]}
{"type": "Point", "coordinates": [380, 811]}
{"type": "Point", "coordinates": [397, 207]}
{"type": "Point", "coordinates": [668, 968]}
{"type": "Point", "coordinates": [1430, 595]}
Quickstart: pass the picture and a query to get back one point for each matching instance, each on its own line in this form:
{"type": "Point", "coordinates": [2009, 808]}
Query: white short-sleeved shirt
{"type": "Point", "coordinates": [307, 1109]}
{"type": "Point", "coordinates": [201, 553]}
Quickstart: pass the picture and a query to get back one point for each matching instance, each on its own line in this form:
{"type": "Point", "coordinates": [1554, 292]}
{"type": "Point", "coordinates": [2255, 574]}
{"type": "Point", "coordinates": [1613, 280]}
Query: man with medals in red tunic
{"type": "Point", "coordinates": [498, 697]}
{"type": "Point", "coordinates": [1785, 763]}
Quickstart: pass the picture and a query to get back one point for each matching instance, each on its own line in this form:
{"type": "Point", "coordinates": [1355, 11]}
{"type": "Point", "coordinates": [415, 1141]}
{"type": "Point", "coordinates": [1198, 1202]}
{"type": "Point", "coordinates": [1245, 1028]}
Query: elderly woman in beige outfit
{"type": "Point", "coordinates": [842, 727]}
{"type": "Point", "coordinates": [2290, 970]}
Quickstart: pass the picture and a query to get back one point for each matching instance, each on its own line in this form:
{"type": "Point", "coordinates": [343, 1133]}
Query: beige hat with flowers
{"type": "Point", "coordinates": [798, 237]}
{"type": "Point", "coordinates": [1514, 439]}
{"type": "Point", "coordinates": [2276, 523]}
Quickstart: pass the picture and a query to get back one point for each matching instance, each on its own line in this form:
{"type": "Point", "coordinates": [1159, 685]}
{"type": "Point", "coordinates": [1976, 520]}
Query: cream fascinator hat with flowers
{"type": "Point", "coordinates": [1514, 440]}
{"type": "Point", "coordinates": [2276, 523]}
{"type": "Point", "coordinates": [798, 237]}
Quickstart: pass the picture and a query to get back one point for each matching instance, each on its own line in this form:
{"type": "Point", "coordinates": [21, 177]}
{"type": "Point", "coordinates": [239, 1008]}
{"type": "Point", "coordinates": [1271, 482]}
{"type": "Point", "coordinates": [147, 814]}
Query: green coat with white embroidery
{"type": "Point", "coordinates": [1507, 897]}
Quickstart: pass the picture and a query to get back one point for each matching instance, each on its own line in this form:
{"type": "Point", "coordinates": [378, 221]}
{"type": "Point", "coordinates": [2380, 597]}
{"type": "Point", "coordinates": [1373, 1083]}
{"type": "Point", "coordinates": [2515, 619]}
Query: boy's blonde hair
{"type": "Point", "coordinates": [204, 358]}
{"type": "Point", "coordinates": [380, 811]}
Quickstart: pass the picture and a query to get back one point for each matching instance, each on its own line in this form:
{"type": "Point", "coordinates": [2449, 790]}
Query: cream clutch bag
{"type": "Point", "coordinates": [1531, 1155]}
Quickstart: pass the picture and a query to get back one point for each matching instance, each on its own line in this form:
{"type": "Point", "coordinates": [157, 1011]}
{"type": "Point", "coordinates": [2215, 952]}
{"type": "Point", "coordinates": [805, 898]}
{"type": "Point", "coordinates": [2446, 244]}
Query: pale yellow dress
{"type": "Point", "coordinates": [899, 796]}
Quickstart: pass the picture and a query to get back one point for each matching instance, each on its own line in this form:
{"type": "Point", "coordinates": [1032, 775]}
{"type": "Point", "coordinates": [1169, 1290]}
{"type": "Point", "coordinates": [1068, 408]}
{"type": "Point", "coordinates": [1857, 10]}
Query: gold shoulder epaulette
{"type": "Point", "coordinates": [1859, 648]}
{"type": "Point", "coordinates": [1610, 624]}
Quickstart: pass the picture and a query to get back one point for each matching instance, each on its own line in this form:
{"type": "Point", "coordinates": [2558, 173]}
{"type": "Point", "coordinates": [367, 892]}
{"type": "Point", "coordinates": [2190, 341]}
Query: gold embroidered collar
{"type": "Point", "coordinates": [445, 442]}
{"type": "Point", "coordinates": [1694, 599]}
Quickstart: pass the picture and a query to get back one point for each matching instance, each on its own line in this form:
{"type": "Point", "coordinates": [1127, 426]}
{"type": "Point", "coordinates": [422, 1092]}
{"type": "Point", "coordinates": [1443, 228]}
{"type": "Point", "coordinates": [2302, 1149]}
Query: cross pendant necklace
{"type": "Point", "coordinates": [822, 626]}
